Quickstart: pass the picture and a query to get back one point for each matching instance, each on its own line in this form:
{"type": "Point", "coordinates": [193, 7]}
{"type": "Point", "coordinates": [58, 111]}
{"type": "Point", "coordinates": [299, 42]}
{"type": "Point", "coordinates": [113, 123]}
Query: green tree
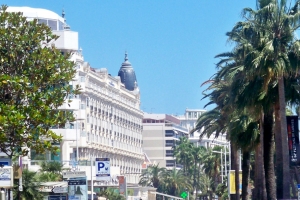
{"type": "Point", "coordinates": [277, 21]}
{"type": "Point", "coordinates": [30, 186]}
{"type": "Point", "coordinates": [183, 153]}
{"type": "Point", "coordinates": [110, 194]}
{"type": "Point", "coordinates": [198, 154]}
{"type": "Point", "coordinates": [34, 82]}
{"type": "Point", "coordinates": [50, 171]}
{"type": "Point", "coordinates": [152, 176]}
{"type": "Point", "coordinates": [175, 181]}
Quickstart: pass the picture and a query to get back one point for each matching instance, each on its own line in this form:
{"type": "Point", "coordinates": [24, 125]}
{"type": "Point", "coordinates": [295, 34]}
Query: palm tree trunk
{"type": "Point", "coordinates": [195, 172]}
{"type": "Point", "coordinates": [282, 153]}
{"type": "Point", "coordinates": [245, 174]}
{"type": "Point", "coordinates": [235, 166]}
{"type": "Point", "coordinates": [269, 155]}
{"type": "Point", "coordinates": [259, 182]}
{"type": "Point", "coordinates": [232, 167]}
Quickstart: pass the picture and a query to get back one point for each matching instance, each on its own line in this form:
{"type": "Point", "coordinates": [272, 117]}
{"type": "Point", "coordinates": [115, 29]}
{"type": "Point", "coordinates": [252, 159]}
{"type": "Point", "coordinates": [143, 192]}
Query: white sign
{"type": "Point", "coordinates": [60, 190]}
{"type": "Point", "coordinates": [73, 198]}
{"type": "Point", "coordinates": [102, 169]}
{"type": "Point", "coordinates": [74, 174]}
{"type": "Point", "coordinates": [6, 177]}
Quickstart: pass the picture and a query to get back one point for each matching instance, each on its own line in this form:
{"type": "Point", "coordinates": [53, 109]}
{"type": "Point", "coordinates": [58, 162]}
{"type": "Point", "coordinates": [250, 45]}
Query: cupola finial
{"type": "Point", "coordinates": [63, 13]}
{"type": "Point", "coordinates": [126, 57]}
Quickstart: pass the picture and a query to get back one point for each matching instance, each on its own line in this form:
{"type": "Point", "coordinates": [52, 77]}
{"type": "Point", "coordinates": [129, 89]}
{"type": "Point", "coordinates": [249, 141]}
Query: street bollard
{"type": "Point", "coordinates": [2, 194]}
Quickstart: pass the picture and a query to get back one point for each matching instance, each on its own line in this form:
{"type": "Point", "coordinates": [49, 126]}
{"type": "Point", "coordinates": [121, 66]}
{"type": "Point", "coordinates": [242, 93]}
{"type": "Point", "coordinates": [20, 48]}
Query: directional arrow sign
{"type": "Point", "coordinates": [60, 190]}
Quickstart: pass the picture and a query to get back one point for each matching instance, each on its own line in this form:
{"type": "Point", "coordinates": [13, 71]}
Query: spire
{"type": "Point", "coordinates": [126, 58]}
{"type": "Point", "coordinates": [63, 13]}
{"type": "Point", "coordinates": [66, 26]}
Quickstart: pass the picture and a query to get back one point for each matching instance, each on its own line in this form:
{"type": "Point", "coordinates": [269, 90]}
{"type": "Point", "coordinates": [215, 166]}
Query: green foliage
{"type": "Point", "coordinates": [34, 78]}
{"type": "Point", "coordinates": [50, 171]}
{"type": "Point", "coordinates": [110, 194]}
{"type": "Point", "coordinates": [175, 181]}
{"type": "Point", "coordinates": [152, 176]}
{"type": "Point", "coordinates": [52, 166]}
{"type": "Point", "coordinates": [30, 186]}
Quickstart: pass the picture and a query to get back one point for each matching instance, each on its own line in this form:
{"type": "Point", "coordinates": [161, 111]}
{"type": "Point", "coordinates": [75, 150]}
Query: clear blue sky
{"type": "Point", "coordinates": [170, 43]}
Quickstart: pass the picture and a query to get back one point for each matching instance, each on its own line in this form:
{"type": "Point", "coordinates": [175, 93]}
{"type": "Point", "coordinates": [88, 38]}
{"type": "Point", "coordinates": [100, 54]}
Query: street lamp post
{"type": "Point", "coordinates": [221, 152]}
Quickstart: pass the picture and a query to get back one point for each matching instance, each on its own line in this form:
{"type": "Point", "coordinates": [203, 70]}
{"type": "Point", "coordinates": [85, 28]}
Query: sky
{"type": "Point", "coordinates": [171, 44]}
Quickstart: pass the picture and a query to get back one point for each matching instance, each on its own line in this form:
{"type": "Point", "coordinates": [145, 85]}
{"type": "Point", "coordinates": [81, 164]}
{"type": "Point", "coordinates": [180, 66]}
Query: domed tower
{"type": "Point", "coordinates": [127, 75]}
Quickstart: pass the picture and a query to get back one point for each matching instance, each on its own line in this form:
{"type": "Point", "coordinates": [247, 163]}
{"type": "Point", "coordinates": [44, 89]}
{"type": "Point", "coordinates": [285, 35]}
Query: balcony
{"type": "Point", "coordinates": [67, 134]}
{"type": "Point", "coordinates": [68, 40]}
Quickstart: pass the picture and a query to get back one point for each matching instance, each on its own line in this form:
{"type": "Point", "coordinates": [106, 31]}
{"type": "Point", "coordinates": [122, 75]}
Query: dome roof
{"type": "Point", "coordinates": [36, 13]}
{"type": "Point", "coordinates": [127, 75]}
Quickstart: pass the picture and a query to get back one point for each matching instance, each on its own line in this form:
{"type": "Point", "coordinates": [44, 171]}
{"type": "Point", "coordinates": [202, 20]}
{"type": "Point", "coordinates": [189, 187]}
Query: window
{"type": "Point", "coordinates": [169, 153]}
{"type": "Point", "coordinates": [169, 143]}
{"type": "Point", "coordinates": [52, 24]}
{"type": "Point", "coordinates": [170, 163]}
{"type": "Point", "coordinates": [169, 133]}
{"type": "Point", "coordinates": [60, 25]}
{"type": "Point", "coordinates": [195, 114]}
{"type": "Point", "coordinates": [42, 21]}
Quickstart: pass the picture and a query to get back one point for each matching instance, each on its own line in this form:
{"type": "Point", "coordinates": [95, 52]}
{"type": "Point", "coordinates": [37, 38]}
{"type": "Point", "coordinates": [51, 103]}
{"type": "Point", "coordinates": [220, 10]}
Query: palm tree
{"type": "Point", "coordinates": [152, 176]}
{"type": "Point", "coordinates": [175, 181]}
{"type": "Point", "coordinates": [182, 153]}
{"type": "Point", "coordinates": [198, 154]}
{"type": "Point", "coordinates": [50, 171]}
{"type": "Point", "coordinates": [30, 186]}
{"type": "Point", "coordinates": [206, 185]}
{"type": "Point", "coordinates": [277, 23]}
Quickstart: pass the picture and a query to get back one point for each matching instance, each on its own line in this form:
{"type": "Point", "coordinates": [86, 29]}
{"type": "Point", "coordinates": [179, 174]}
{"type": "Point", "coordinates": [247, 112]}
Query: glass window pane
{"type": "Point", "coordinates": [42, 21]}
{"type": "Point", "coordinates": [52, 24]}
{"type": "Point", "coordinates": [60, 26]}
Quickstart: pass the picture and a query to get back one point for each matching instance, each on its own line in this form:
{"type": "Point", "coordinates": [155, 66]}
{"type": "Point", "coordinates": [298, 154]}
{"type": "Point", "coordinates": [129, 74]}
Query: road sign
{"type": "Point", "coordinates": [73, 198]}
{"type": "Point", "coordinates": [60, 190]}
{"type": "Point", "coordinates": [122, 185]}
{"type": "Point", "coordinates": [57, 197]}
{"type": "Point", "coordinates": [74, 174]}
{"type": "Point", "coordinates": [77, 182]}
{"type": "Point", "coordinates": [6, 177]}
{"type": "Point", "coordinates": [102, 169]}
{"type": "Point", "coordinates": [184, 194]}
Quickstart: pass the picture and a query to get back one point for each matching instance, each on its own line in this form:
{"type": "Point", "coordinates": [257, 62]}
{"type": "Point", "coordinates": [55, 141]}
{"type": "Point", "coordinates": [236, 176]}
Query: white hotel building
{"type": "Point", "coordinates": [109, 119]}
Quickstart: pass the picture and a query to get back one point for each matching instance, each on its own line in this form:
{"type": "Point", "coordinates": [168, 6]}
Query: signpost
{"type": "Point", "coordinates": [77, 182]}
{"type": "Point", "coordinates": [74, 174]}
{"type": "Point", "coordinates": [184, 194]}
{"type": "Point", "coordinates": [57, 197]}
{"type": "Point", "coordinates": [6, 177]}
{"type": "Point", "coordinates": [78, 188]}
{"type": "Point", "coordinates": [122, 185]}
{"type": "Point", "coordinates": [102, 169]}
{"type": "Point", "coordinates": [60, 190]}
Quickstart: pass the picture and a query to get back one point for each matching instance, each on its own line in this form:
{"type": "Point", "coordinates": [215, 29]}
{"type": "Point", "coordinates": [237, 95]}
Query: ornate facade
{"type": "Point", "coordinates": [108, 116]}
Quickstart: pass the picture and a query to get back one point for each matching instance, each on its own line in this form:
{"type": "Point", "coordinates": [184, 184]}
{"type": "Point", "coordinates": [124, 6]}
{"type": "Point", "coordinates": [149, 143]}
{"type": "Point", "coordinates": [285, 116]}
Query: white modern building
{"type": "Point", "coordinates": [189, 121]}
{"type": "Point", "coordinates": [160, 133]}
{"type": "Point", "coordinates": [108, 116]}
